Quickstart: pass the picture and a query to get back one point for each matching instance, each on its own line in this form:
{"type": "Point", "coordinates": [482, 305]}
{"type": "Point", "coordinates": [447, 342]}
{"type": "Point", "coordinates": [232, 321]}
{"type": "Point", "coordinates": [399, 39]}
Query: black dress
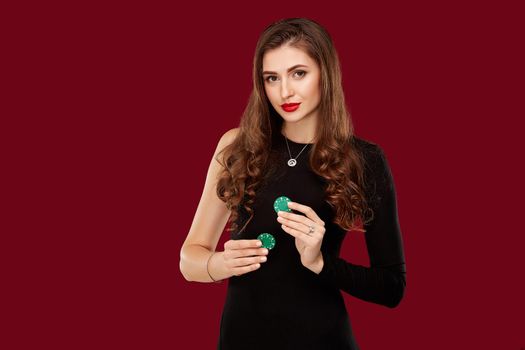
{"type": "Point", "coordinates": [284, 305]}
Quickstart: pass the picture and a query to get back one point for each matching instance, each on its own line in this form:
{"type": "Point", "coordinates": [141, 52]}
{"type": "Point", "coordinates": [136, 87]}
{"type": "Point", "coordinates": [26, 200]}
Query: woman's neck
{"type": "Point", "coordinates": [300, 133]}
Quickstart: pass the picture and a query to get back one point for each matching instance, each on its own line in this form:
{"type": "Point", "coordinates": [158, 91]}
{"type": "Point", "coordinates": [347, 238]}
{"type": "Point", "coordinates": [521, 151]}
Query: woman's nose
{"type": "Point", "coordinates": [286, 91]}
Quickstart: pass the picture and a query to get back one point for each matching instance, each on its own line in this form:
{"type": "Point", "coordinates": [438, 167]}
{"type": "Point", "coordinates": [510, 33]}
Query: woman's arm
{"type": "Point", "coordinates": [208, 223]}
{"type": "Point", "coordinates": [384, 281]}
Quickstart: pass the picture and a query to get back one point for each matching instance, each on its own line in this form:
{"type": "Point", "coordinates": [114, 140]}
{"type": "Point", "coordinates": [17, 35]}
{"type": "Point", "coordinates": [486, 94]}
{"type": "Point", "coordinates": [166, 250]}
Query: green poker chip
{"type": "Point", "coordinates": [281, 204]}
{"type": "Point", "coordinates": [268, 241]}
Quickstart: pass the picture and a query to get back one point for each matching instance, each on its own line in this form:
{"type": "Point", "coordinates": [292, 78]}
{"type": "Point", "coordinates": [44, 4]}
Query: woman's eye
{"type": "Point", "coordinates": [272, 76]}
{"type": "Point", "coordinates": [301, 71]}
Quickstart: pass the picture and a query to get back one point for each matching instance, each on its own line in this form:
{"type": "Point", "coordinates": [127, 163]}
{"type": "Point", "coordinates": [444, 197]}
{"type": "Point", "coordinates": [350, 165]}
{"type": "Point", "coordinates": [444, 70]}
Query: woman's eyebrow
{"type": "Point", "coordinates": [288, 70]}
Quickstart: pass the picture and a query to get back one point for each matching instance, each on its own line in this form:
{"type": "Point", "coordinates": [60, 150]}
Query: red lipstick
{"type": "Point", "coordinates": [290, 107]}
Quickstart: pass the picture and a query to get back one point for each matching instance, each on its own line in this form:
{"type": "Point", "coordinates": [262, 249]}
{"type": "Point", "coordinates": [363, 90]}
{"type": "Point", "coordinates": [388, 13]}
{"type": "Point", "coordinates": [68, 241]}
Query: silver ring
{"type": "Point", "coordinates": [312, 229]}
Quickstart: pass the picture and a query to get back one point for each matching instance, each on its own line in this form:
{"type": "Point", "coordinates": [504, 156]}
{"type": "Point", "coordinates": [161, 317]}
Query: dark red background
{"type": "Point", "coordinates": [111, 113]}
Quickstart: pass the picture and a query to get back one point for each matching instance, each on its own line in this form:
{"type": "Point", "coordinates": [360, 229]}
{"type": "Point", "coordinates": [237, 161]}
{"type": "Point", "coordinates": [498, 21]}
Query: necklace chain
{"type": "Point", "coordinates": [293, 161]}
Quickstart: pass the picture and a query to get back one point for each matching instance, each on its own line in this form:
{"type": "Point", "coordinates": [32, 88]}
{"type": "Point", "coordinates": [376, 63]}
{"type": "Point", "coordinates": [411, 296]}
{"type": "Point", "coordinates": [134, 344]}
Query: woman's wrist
{"type": "Point", "coordinates": [317, 266]}
{"type": "Point", "coordinates": [211, 270]}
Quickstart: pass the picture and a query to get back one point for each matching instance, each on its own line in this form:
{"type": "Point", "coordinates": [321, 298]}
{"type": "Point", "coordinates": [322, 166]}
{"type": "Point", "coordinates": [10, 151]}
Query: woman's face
{"type": "Point", "coordinates": [285, 82]}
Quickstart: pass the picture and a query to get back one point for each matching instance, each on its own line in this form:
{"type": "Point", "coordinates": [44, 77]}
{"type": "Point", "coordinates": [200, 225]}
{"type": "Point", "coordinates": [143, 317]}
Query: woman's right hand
{"type": "Point", "coordinates": [243, 255]}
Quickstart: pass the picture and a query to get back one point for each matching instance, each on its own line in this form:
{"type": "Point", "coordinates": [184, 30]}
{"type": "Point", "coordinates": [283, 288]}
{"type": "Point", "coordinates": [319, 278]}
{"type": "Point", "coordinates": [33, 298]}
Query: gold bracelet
{"type": "Point", "coordinates": [207, 268]}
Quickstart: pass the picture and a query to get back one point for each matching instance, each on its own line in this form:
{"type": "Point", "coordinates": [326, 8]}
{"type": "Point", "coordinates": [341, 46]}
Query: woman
{"type": "Point", "coordinates": [295, 172]}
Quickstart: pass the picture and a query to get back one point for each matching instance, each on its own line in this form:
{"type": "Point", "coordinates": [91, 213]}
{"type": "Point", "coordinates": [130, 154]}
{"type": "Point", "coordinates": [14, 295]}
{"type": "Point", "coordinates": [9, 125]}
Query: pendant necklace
{"type": "Point", "coordinates": [293, 161]}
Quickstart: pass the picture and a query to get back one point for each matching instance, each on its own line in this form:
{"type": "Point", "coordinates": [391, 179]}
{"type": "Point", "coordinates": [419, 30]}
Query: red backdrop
{"type": "Point", "coordinates": [112, 112]}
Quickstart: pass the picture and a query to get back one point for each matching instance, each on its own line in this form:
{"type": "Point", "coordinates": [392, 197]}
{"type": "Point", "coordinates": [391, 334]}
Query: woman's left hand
{"type": "Point", "coordinates": [308, 244]}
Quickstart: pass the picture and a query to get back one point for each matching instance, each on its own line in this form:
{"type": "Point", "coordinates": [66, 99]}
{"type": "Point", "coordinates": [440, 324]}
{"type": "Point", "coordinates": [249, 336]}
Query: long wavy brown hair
{"type": "Point", "coordinates": [333, 156]}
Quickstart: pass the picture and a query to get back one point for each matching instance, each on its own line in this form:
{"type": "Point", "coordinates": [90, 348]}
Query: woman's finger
{"type": "Point", "coordinates": [307, 239]}
{"type": "Point", "coordinates": [302, 226]}
{"type": "Point", "coordinates": [309, 212]}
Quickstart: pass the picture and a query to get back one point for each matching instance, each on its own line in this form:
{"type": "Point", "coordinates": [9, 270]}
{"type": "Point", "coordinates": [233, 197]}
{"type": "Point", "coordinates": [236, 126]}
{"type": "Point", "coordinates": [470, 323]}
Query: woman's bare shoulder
{"type": "Point", "coordinates": [230, 135]}
{"type": "Point", "coordinates": [226, 139]}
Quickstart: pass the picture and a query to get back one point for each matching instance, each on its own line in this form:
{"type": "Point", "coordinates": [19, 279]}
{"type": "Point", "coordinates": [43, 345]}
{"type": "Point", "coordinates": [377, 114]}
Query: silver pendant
{"type": "Point", "coordinates": [292, 162]}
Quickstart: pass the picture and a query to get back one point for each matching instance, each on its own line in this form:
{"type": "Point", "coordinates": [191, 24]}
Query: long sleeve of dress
{"type": "Point", "coordinates": [384, 281]}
